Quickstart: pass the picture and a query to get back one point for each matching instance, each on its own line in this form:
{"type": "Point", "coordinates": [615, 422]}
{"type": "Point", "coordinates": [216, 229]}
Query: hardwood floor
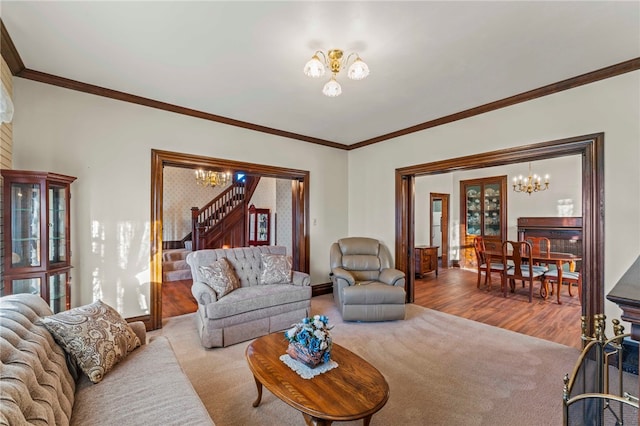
{"type": "Point", "coordinates": [177, 298]}
{"type": "Point", "coordinates": [454, 292]}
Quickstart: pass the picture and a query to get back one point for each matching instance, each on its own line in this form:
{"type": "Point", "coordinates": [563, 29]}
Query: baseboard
{"type": "Point", "coordinates": [320, 289]}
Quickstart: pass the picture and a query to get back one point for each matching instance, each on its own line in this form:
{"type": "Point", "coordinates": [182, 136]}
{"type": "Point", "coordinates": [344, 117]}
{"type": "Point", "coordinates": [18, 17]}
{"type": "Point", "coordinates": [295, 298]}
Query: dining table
{"type": "Point", "coordinates": [547, 257]}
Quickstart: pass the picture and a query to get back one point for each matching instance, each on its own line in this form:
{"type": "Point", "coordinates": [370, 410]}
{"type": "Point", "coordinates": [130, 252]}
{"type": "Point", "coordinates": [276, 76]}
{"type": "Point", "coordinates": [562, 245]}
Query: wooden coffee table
{"type": "Point", "coordinates": [353, 390]}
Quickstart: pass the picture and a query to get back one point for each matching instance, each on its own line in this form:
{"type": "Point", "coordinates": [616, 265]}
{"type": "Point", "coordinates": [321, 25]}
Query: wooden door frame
{"type": "Point", "coordinates": [300, 214]}
{"type": "Point", "coordinates": [444, 224]}
{"type": "Point", "coordinates": [589, 147]}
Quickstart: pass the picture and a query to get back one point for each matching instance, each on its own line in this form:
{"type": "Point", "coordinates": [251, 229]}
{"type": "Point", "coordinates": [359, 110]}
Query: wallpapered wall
{"type": "Point", "coordinates": [180, 193]}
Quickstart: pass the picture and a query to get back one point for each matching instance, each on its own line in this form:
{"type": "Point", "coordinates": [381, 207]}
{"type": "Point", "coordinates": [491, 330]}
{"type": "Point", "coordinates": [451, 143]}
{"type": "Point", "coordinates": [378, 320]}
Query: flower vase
{"type": "Point", "coordinates": [305, 355]}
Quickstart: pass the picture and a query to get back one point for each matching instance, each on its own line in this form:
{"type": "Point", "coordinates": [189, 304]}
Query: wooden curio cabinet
{"type": "Point", "coordinates": [37, 236]}
{"type": "Point", "coordinates": [483, 213]}
{"type": "Point", "coordinates": [259, 226]}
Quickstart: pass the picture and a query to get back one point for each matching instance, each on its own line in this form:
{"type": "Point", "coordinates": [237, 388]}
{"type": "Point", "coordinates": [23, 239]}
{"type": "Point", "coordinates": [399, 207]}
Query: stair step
{"type": "Point", "coordinates": [175, 265]}
{"type": "Point", "coordinates": [175, 254]}
{"type": "Point", "coordinates": [182, 274]}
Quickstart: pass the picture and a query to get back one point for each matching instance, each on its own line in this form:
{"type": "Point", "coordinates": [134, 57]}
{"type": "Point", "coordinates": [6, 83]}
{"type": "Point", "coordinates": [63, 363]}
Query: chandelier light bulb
{"type": "Point", "coordinates": [314, 68]}
{"type": "Point", "coordinates": [332, 88]}
{"type": "Point", "coordinates": [358, 70]}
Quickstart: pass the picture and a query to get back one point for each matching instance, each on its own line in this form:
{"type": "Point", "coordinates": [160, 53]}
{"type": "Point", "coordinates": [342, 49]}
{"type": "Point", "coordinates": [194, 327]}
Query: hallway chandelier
{"type": "Point", "coordinates": [532, 183]}
{"type": "Point", "coordinates": [208, 178]}
{"type": "Point", "coordinates": [315, 68]}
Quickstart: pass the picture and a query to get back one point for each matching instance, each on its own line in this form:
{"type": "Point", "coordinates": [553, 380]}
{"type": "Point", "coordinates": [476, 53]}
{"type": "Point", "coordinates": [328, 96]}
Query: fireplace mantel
{"type": "Point", "coordinates": [626, 294]}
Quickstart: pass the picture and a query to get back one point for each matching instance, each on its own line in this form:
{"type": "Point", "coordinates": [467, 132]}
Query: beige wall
{"type": "Point", "coordinates": [611, 106]}
{"type": "Point", "coordinates": [107, 145]}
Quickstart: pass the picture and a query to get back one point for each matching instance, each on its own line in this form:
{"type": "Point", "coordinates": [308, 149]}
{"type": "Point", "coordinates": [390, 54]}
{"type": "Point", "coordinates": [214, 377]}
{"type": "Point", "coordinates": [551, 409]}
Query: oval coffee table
{"type": "Point", "coordinates": [353, 390]}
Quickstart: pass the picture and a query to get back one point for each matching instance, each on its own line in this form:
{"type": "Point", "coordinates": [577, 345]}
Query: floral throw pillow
{"type": "Point", "coordinates": [276, 269]}
{"type": "Point", "coordinates": [220, 276]}
{"type": "Point", "coordinates": [95, 335]}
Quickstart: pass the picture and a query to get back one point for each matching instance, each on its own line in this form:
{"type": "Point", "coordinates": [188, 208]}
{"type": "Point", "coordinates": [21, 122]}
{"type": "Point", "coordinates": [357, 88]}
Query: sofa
{"type": "Point", "coordinates": [366, 287]}
{"type": "Point", "coordinates": [253, 308]}
{"type": "Point", "coordinates": [38, 384]}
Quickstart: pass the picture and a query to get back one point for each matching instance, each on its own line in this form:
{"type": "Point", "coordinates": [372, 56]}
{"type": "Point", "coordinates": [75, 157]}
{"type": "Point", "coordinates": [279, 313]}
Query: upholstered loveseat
{"type": "Point", "coordinates": [252, 309]}
{"type": "Point", "coordinates": [147, 387]}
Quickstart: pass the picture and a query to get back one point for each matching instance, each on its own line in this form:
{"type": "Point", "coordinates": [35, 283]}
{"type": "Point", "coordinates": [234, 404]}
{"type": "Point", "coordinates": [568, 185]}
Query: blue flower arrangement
{"type": "Point", "coordinates": [313, 334]}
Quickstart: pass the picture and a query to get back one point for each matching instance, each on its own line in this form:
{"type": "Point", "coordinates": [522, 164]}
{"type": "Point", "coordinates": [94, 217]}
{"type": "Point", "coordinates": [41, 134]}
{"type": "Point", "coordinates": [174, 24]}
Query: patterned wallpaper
{"type": "Point", "coordinates": [284, 216]}
{"type": "Point", "coordinates": [6, 157]}
{"type": "Point", "coordinates": [180, 193]}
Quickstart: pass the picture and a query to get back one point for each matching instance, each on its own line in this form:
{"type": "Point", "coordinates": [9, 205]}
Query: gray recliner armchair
{"type": "Point", "coordinates": [366, 287]}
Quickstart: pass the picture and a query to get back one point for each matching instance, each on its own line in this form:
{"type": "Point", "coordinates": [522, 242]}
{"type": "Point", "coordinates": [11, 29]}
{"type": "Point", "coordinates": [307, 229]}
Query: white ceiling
{"type": "Point", "coordinates": [243, 60]}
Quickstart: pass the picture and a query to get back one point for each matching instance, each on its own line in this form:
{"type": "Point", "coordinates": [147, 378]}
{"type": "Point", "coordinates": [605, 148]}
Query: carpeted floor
{"type": "Point", "coordinates": [441, 370]}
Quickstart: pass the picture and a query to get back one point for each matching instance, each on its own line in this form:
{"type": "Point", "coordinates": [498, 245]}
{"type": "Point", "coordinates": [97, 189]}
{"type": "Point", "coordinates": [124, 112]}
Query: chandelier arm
{"type": "Point", "coordinates": [324, 57]}
{"type": "Point", "coordinates": [346, 61]}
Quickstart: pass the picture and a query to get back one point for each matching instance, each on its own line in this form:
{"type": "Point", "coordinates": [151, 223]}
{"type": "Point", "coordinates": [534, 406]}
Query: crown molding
{"type": "Point", "coordinates": [9, 52]}
{"type": "Point", "coordinates": [18, 69]}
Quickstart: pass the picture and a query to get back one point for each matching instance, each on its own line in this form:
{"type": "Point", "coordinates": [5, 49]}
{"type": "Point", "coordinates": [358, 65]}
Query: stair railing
{"type": "Point", "coordinates": [207, 217]}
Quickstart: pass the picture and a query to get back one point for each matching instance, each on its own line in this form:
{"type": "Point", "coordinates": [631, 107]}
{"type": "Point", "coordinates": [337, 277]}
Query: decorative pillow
{"type": "Point", "coordinates": [276, 269]}
{"type": "Point", "coordinates": [95, 335]}
{"type": "Point", "coordinates": [220, 276]}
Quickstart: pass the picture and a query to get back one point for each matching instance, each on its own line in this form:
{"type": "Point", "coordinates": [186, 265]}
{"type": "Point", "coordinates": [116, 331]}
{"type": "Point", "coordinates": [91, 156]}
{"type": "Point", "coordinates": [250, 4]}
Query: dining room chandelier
{"type": "Point", "coordinates": [210, 178]}
{"type": "Point", "coordinates": [333, 60]}
{"type": "Point", "coordinates": [531, 183]}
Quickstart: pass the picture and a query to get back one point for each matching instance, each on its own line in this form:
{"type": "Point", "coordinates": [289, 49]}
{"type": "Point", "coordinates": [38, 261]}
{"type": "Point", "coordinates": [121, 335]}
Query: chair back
{"type": "Point", "coordinates": [480, 249]}
{"type": "Point", "coordinates": [521, 257]}
{"type": "Point", "coordinates": [539, 245]}
{"type": "Point", "coordinates": [363, 257]}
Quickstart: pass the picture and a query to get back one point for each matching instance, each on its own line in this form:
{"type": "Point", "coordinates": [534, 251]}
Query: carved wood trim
{"type": "Point", "coordinates": [590, 147]}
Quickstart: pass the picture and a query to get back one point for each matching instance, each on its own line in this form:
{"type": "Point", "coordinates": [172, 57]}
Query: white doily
{"type": "Point", "coordinates": [304, 371]}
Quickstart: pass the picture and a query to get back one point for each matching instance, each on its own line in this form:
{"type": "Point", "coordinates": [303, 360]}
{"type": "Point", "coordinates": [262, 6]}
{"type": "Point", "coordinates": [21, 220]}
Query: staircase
{"type": "Point", "coordinates": [174, 265]}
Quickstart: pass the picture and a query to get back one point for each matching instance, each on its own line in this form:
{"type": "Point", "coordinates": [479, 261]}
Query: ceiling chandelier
{"type": "Point", "coordinates": [209, 178]}
{"type": "Point", "coordinates": [333, 60]}
{"type": "Point", "coordinates": [532, 183]}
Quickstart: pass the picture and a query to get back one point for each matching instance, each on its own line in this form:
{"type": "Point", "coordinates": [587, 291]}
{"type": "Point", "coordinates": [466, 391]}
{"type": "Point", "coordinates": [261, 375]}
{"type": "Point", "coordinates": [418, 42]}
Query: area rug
{"type": "Point", "coordinates": [441, 370]}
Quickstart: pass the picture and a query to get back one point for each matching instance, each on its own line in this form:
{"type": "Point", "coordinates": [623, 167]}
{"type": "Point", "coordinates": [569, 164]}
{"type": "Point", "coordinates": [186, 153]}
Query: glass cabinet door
{"type": "Point", "coordinates": [25, 285]}
{"type": "Point", "coordinates": [58, 292]}
{"type": "Point", "coordinates": [492, 204]}
{"type": "Point", "coordinates": [57, 224]}
{"type": "Point", "coordinates": [473, 209]}
{"type": "Point", "coordinates": [263, 227]}
{"type": "Point", "coordinates": [25, 225]}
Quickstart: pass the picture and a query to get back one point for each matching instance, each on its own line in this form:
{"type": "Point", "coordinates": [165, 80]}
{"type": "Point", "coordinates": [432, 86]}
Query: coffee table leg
{"type": "Point", "coordinates": [315, 421]}
{"type": "Point", "coordinates": [367, 420]}
{"type": "Point", "coordinates": [259, 386]}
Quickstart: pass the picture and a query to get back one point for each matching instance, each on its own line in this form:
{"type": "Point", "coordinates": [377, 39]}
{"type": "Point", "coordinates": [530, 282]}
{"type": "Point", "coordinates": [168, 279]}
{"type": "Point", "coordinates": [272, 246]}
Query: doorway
{"type": "Point", "coordinates": [299, 212]}
{"type": "Point", "coordinates": [439, 225]}
{"type": "Point", "coordinates": [591, 150]}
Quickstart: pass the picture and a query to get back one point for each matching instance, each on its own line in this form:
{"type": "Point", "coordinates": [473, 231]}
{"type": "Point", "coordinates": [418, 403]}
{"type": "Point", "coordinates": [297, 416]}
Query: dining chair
{"type": "Point", "coordinates": [520, 254]}
{"type": "Point", "coordinates": [569, 276]}
{"type": "Point", "coordinates": [539, 246]}
{"type": "Point", "coordinates": [481, 258]}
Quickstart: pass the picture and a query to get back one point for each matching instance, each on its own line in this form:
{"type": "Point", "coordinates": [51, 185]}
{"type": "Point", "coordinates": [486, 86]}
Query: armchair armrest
{"type": "Point", "coordinates": [340, 273]}
{"type": "Point", "coordinates": [300, 278]}
{"type": "Point", "coordinates": [392, 277]}
{"type": "Point", "coordinates": [203, 293]}
{"type": "Point", "coordinates": [139, 328]}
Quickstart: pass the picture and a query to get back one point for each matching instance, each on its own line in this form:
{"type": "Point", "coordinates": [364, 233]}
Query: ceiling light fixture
{"type": "Point", "coordinates": [333, 60]}
{"type": "Point", "coordinates": [532, 183]}
{"type": "Point", "coordinates": [209, 178]}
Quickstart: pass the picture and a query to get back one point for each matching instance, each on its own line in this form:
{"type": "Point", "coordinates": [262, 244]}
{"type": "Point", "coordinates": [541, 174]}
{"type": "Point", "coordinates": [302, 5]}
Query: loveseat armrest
{"type": "Point", "coordinates": [392, 276]}
{"type": "Point", "coordinates": [340, 273]}
{"type": "Point", "coordinates": [139, 328]}
{"type": "Point", "coordinates": [203, 293]}
{"type": "Point", "coordinates": [300, 278]}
